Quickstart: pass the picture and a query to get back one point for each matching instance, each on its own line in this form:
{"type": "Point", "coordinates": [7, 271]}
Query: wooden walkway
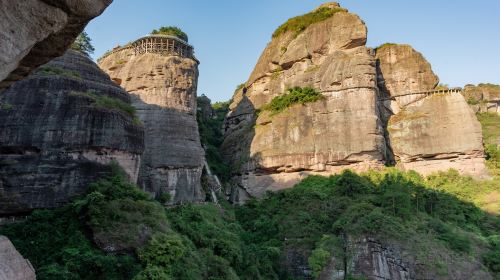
{"type": "Point", "coordinates": [425, 93]}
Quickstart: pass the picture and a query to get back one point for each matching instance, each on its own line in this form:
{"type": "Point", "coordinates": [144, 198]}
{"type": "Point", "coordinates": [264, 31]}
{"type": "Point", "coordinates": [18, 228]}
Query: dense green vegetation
{"type": "Point", "coordinates": [317, 217]}
{"type": "Point", "coordinates": [300, 23]}
{"type": "Point", "coordinates": [83, 44]}
{"type": "Point", "coordinates": [172, 31]}
{"type": "Point", "coordinates": [211, 137]}
{"type": "Point", "coordinates": [293, 96]}
{"type": "Point", "coordinates": [490, 123]}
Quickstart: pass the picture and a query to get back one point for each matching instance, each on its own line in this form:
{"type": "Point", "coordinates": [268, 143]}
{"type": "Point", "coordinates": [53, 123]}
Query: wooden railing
{"type": "Point", "coordinates": [426, 93]}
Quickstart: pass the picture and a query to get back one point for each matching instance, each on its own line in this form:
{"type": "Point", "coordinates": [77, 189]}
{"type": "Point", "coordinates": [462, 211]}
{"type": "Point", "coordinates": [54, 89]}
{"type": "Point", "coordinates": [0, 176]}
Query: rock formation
{"type": "Point", "coordinates": [483, 98]}
{"type": "Point", "coordinates": [60, 128]}
{"type": "Point", "coordinates": [375, 260]}
{"type": "Point", "coordinates": [34, 32]}
{"type": "Point", "coordinates": [348, 127]}
{"type": "Point", "coordinates": [427, 132]}
{"type": "Point", "coordinates": [341, 131]}
{"type": "Point", "coordinates": [163, 88]}
{"type": "Point", "coordinates": [12, 265]}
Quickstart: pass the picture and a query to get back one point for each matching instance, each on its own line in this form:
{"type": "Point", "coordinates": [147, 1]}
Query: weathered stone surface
{"type": "Point", "coordinates": [375, 260]}
{"type": "Point", "coordinates": [483, 98]}
{"type": "Point", "coordinates": [427, 133]}
{"type": "Point", "coordinates": [54, 139]}
{"type": "Point", "coordinates": [12, 265]}
{"type": "Point", "coordinates": [341, 131]}
{"type": "Point", "coordinates": [438, 133]}
{"type": "Point", "coordinates": [35, 31]}
{"type": "Point", "coordinates": [164, 93]}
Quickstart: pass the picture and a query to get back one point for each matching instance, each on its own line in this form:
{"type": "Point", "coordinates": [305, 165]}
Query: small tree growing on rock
{"type": "Point", "coordinates": [83, 44]}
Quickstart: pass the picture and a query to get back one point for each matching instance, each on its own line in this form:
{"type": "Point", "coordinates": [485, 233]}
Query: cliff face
{"type": "Point", "coordinates": [349, 127]}
{"type": "Point", "coordinates": [341, 131]}
{"type": "Point", "coordinates": [34, 32]}
{"type": "Point", "coordinates": [163, 91]}
{"type": "Point", "coordinates": [427, 133]}
{"type": "Point", "coordinates": [12, 265]}
{"type": "Point", "coordinates": [59, 129]}
{"type": "Point", "coordinates": [483, 98]}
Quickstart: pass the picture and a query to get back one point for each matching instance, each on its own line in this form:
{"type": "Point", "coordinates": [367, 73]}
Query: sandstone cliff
{"type": "Point", "coordinates": [163, 89]}
{"type": "Point", "coordinates": [59, 129]}
{"type": "Point", "coordinates": [34, 32]}
{"type": "Point", "coordinates": [483, 98]}
{"type": "Point", "coordinates": [349, 127]}
{"type": "Point", "coordinates": [427, 132]}
{"type": "Point", "coordinates": [12, 265]}
{"type": "Point", "coordinates": [341, 131]}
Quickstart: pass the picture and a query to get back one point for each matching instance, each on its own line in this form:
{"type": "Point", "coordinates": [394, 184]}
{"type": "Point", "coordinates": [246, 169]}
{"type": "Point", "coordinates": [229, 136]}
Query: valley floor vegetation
{"type": "Point", "coordinates": [441, 212]}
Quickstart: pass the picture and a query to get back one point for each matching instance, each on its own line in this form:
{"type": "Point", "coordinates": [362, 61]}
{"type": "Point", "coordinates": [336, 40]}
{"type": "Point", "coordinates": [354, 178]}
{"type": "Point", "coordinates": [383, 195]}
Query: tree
{"type": "Point", "coordinates": [82, 44]}
{"type": "Point", "coordinates": [171, 30]}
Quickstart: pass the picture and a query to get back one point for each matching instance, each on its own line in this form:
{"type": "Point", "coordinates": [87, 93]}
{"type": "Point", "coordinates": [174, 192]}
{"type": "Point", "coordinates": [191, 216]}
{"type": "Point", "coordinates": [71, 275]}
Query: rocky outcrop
{"type": "Point", "coordinates": [163, 89]}
{"type": "Point", "coordinates": [60, 128]}
{"type": "Point", "coordinates": [343, 130]}
{"type": "Point", "coordinates": [375, 260]}
{"type": "Point", "coordinates": [427, 132]}
{"type": "Point", "coordinates": [34, 32]}
{"type": "Point", "coordinates": [12, 265]}
{"type": "Point", "coordinates": [483, 98]}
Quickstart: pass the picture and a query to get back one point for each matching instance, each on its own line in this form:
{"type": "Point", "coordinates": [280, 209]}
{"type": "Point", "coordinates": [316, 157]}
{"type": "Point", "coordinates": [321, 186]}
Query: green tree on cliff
{"type": "Point", "coordinates": [83, 44]}
{"type": "Point", "coordinates": [171, 30]}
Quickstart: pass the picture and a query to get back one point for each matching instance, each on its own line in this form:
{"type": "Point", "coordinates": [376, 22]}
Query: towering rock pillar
{"type": "Point", "coordinates": [161, 73]}
{"type": "Point", "coordinates": [342, 130]}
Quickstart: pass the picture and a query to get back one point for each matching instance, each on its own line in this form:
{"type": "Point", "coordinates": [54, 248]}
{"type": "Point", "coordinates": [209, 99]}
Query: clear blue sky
{"type": "Point", "coordinates": [461, 39]}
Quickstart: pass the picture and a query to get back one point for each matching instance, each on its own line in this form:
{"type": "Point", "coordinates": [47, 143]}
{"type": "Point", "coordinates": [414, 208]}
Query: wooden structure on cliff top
{"type": "Point", "coordinates": [158, 44]}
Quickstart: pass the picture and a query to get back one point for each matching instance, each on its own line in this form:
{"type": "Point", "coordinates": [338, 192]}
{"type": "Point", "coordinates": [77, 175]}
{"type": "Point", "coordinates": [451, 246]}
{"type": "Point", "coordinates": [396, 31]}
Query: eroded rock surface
{"type": "Point", "coordinates": [483, 98]}
{"type": "Point", "coordinates": [36, 31]}
{"type": "Point", "coordinates": [341, 131]}
{"type": "Point", "coordinates": [12, 265]}
{"type": "Point", "coordinates": [56, 138]}
{"type": "Point", "coordinates": [163, 90]}
{"type": "Point", "coordinates": [427, 132]}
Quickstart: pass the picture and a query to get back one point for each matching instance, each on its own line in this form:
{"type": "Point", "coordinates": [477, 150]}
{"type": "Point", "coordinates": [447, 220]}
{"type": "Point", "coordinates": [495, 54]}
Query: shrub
{"type": "Point", "coordinates": [47, 70]}
{"type": "Point", "coordinates": [107, 102]}
{"type": "Point", "coordinates": [300, 23]}
{"type": "Point", "coordinates": [385, 45]}
{"type": "Point", "coordinates": [293, 96]}
{"type": "Point", "coordinates": [172, 31]}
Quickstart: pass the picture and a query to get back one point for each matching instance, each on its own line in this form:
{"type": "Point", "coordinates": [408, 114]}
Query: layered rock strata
{"type": "Point", "coordinates": [427, 132]}
{"type": "Point", "coordinates": [341, 131]}
{"type": "Point", "coordinates": [34, 32]}
{"type": "Point", "coordinates": [12, 265]}
{"type": "Point", "coordinates": [483, 98]}
{"type": "Point", "coordinates": [163, 89]}
{"type": "Point", "coordinates": [60, 128]}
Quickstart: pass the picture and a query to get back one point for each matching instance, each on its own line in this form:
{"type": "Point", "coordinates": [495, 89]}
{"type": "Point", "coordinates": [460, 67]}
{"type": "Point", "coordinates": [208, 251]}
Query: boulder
{"type": "Point", "coordinates": [60, 129]}
{"type": "Point", "coordinates": [34, 32]}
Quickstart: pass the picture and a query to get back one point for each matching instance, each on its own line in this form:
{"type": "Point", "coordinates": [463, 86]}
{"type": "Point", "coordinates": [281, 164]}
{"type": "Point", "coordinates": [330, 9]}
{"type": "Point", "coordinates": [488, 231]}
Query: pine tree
{"type": "Point", "coordinates": [82, 44]}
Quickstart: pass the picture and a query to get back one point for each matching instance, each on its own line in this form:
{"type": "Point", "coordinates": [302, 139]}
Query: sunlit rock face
{"type": "Point", "coordinates": [341, 131]}
{"type": "Point", "coordinates": [55, 139]}
{"type": "Point", "coordinates": [163, 89]}
{"type": "Point", "coordinates": [36, 31]}
{"type": "Point", "coordinates": [12, 265]}
{"type": "Point", "coordinates": [427, 133]}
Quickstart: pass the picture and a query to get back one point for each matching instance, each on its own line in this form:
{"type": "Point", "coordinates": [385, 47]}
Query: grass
{"type": "Point", "coordinates": [300, 23]}
{"type": "Point", "coordinates": [293, 96]}
{"type": "Point", "coordinates": [110, 103]}
{"type": "Point", "coordinates": [172, 31]}
{"type": "Point", "coordinates": [57, 71]}
{"type": "Point", "coordinates": [490, 123]}
{"type": "Point", "coordinates": [385, 45]}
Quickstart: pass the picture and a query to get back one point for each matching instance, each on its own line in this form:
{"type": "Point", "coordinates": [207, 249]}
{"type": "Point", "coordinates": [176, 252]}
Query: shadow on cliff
{"type": "Point", "coordinates": [385, 114]}
{"type": "Point", "coordinates": [239, 128]}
